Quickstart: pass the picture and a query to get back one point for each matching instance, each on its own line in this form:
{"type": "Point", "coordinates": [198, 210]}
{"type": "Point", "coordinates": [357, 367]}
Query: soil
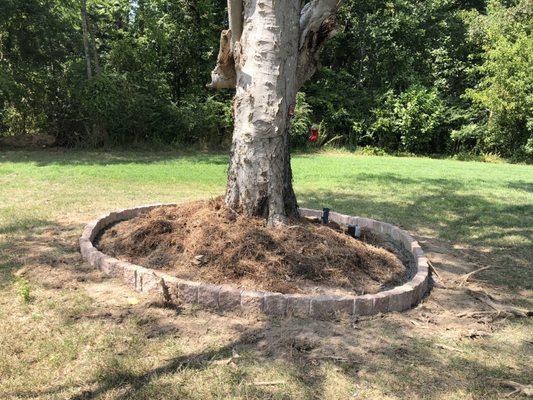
{"type": "Point", "coordinates": [205, 241]}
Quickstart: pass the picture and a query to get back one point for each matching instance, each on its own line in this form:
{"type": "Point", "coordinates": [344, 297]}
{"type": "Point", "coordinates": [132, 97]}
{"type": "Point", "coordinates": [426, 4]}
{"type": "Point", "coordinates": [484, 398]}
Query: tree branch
{"type": "Point", "coordinates": [235, 17]}
{"type": "Point", "coordinates": [313, 14]}
{"type": "Point", "coordinates": [224, 75]}
{"type": "Point", "coordinates": [317, 24]}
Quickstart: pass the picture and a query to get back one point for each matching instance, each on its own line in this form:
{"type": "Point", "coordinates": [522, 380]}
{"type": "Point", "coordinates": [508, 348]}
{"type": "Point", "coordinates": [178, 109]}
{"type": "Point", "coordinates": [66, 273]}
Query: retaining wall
{"type": "Point", "coordinates": [225, 297]}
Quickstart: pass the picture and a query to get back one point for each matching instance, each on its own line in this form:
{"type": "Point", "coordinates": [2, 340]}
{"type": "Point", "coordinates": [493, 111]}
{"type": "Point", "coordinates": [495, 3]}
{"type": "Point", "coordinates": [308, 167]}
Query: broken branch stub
{"type": "Point", "coordinates": [317, 24]}
{"type": "Point", "coordinates": [224, 76]}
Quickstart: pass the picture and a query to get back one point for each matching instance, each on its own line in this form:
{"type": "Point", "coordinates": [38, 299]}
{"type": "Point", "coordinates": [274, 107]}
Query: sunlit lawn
{"type": "Point", "coordinates": [49, 348]}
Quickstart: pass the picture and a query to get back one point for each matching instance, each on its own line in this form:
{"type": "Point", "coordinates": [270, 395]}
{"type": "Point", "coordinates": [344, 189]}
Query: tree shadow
{"type": "Point", "coordinates": [114, 157]}
{"type": "Point", "coordinates": [44, 246]}
{"type": "Point", "coordinates": [521, 185]}
{"type": "Point", "coordinates": [388, 353]}
{"type": "Point", "coordinates": [23, 225]}
{"type": "Point", "coordinates": [411, 367]}
{"type": "Point", "coordinates": [489, 232]}
{"type": "Point", "coordinates": [381, 352]}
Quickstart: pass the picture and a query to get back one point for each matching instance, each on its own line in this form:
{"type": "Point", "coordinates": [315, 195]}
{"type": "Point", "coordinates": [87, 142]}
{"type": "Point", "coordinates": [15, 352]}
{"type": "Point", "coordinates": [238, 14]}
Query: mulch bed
{"type": "Point", "coordinates": [205, 241]}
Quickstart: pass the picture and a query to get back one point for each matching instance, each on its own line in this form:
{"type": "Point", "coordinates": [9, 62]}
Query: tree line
{"type": "Point", "coordinates": [421, 77]}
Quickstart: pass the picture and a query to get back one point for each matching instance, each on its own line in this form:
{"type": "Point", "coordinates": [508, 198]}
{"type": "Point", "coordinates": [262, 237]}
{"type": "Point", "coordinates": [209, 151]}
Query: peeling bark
{"type": "Point", "coordinates": [317, 24]}
{"type": "Point", "coordinates": [270, 50]}
{"type": "Point", "coordinates": [223, 76]}
{"type": "Point", "coordinates": [313, 14]}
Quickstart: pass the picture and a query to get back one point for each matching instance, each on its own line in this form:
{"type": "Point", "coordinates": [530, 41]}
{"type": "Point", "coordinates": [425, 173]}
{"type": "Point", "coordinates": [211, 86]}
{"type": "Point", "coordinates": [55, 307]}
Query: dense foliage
{"type": "Point", "coordinates": [437, 76]}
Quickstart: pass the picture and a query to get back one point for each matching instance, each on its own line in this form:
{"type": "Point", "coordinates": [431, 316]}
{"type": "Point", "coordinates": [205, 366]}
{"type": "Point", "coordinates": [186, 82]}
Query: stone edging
{"type": "Point", "coordinates": [224, 297]}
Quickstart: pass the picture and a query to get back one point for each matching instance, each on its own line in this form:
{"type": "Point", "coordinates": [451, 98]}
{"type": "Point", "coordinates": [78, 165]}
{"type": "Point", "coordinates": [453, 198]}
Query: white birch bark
{"type": "Point", "coordinates": [269, 51]}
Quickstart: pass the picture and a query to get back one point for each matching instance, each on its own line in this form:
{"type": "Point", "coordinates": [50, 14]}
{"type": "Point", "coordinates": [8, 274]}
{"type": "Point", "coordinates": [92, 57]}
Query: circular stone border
{"type": "Point", "coordinates": [224, 297]}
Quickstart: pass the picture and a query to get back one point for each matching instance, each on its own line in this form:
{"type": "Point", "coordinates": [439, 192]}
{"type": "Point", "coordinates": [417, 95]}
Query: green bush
{"type": "Point", "coordinates": [412, 121]}
{"type": "Point", "coordinates": [437, 76]}
{"type": "Point", "coordinates": [468, 137]}
{"type": "Point", "coordinates": [133, 113]}
{"type": "Point", "coordinates": [23, 289]}
{"type": "Point", "coordinates": [301, 122]}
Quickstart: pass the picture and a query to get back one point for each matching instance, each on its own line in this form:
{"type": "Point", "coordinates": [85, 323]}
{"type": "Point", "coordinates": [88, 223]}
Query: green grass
{"type": "Point", "coordinates": [79, 337]}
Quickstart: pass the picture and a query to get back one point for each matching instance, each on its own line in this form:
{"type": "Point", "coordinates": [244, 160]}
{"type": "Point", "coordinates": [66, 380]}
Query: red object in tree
{"type": "Point", "coordinates": [291, 111]}
{"type": "Point", "coordinates": [314, 134]}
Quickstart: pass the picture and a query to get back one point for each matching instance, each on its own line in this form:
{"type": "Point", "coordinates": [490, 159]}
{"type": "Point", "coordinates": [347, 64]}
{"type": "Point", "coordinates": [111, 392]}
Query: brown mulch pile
{"type": "Point", "coordinates": [205, 241]}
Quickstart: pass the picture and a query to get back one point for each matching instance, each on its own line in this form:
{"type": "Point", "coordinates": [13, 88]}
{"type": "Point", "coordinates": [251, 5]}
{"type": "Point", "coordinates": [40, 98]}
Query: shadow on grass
{"type": "Point", "coordinates": [409, 367]}
{"type": "Point", "coordinates": [13, 247]}
{"type": "Point", "coordinates": [491, 232]}
{"type": "Point", "coordinates": [75, 157]}
{"type": "Point", "coordinates": [23, 225]}
{"type": "Point", "coordinates": [387, 354]}
{"type": "Point", "coordinates": [521, 185]}
{"type": "Point", "coordinates": [39, 243]}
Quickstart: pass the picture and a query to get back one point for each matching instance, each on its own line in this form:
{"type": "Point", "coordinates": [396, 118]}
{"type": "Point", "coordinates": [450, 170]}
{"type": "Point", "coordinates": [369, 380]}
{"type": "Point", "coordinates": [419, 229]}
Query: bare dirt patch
{"type": "Point", "coordinates": [205, 241]}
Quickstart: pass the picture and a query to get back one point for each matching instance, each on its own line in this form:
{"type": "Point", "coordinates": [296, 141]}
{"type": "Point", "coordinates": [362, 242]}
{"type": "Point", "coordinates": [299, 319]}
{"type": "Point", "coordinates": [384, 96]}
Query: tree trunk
{"type": "Point", "coordinates": [85, 31]}
{"type": "Point", "coordinates": [269, 51]}
{"type": "Point", "coordinates": [259, 179]}
{"type": "Point", "coordinates": [100, 127]}
{"type": "Point", "coordinates": [93, 45]}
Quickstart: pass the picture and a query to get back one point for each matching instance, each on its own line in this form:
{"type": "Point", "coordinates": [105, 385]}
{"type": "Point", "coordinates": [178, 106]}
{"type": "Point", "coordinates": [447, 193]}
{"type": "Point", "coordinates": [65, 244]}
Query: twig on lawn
{"type": "Point", "coordinates": [331, 357]}
{"type": "Point", "coordinates": [500, 309]}
{"type": "Point", "coordinates": [446, 347]}
{"type": "Point", "coordinates": [434, 270]}
{"type": "Point", "coordinates": [474, 314]}
{"type": "Point", "coordinates": [526, 390]}
{"type": "Point", "coordinates": [229, 360]}
{"type": "Point", "coordinates": [463, 279]}
{"type": "Point", "coordinates": [419, 324]}
{"type": "Point", "coordinates": [268, 383]}
{"type": "Point", "coordinates": [474, 333]}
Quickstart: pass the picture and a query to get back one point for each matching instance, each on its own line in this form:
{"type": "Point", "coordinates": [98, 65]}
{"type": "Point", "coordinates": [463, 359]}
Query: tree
{"type": "Point", "coordinates": [269, 51]}
{"type": "Point", "coordinates": [85, 33]}
{"type": "Point", "coordinates": [506, 77]}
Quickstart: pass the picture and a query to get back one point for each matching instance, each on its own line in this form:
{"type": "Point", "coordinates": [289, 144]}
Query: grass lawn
{"type": "Point", "coordinates": [81, 335]}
